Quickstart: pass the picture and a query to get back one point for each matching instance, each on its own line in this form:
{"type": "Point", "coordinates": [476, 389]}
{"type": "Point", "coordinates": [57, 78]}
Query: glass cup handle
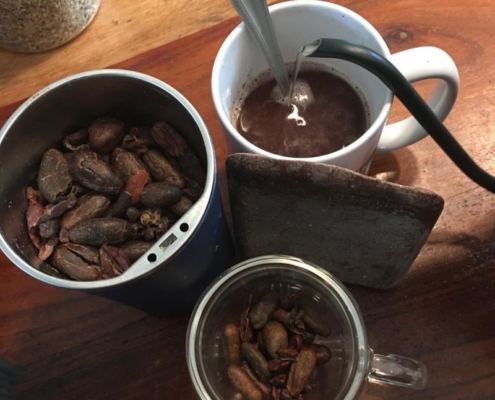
{"type": "Point", "coordinates": [398, 371]}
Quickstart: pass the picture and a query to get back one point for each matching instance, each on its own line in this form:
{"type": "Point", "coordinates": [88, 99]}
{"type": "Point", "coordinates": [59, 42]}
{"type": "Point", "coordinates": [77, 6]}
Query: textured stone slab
{"type": "Point", "coordinates": [363, 230]}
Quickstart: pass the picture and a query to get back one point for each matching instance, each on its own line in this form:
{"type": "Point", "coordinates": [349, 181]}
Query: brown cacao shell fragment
{"type": "Point", "coordinates": [275, 337]}
{"type": "Point", "coordinates": [95, 232]}
{"type": "Point", "coordinates": [135, 249]}
{"type": "Point", "coordinates": [243, 383]}
{"type": "Point", "coordinates": [77, 140]}
{"type": "Point", "coordinates": [91, 171]}
{"type": "Point", "coordinates": [74, 266]}
{"type": "Point", "coordinates": [105, 134]}
{"type": "Point", "coordinates": [231, 343]}
{"type": "Point", "coordinates": [89, 206]}
{"type": "Point", "coordinates": [256, 360]}
{"type": "Point", "coordinates": [160, 194]}
{"type": "Point", "coordinates": [125, 163]}
{"type": "Point", "coordinates": [161, 169]}
{"type": "Point", "coordinates": [54, 178]}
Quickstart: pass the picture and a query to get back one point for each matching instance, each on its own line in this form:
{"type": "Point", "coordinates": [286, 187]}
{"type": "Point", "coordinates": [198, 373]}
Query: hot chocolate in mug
{"type": "Point", "coordinates": [298, 23]}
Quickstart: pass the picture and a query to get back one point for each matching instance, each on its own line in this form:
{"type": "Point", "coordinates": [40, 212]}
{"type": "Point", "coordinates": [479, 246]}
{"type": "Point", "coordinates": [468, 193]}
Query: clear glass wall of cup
{"type": "Point", "coordinates": [353, 363]}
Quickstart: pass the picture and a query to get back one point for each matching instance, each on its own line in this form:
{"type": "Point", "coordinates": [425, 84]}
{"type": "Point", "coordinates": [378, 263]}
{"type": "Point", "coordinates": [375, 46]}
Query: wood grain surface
{"type": "Point", "coordinates": [75, 346]}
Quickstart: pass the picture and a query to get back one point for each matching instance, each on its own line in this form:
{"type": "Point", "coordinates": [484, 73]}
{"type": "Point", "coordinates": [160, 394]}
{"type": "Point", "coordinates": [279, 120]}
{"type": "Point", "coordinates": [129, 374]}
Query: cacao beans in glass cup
{"type": "Point", "coordinates": [352, 364]}
{"type": "Point", "coordinates": [171, 275]}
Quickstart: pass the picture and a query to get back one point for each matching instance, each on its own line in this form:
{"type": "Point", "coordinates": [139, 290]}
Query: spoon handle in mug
{"type": "Point", "coordinates": [255, 15]}
{"type": "Point", "coordinates": [405, 92]}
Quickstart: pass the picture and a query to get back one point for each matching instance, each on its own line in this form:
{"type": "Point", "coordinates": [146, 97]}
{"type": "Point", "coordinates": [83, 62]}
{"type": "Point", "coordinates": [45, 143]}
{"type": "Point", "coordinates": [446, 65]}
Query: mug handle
{"type": "Point", "coordinates": [418, 64]}
{"type": "Point", "coordinates": [398, 371]}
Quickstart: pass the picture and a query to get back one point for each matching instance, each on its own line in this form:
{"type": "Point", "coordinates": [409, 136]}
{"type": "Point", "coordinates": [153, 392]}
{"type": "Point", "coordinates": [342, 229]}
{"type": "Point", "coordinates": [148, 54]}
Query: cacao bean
{"type": "Point", "coordinates": [160, 194]}
{"type": "Point", "coordinates": [74, 266]}
{"type": "Point", "coordinates": [126, 164]}
{"type": "Point", "coordinates": [182, 206]}
{"type": "Point", "coordinates": [231, 342]}
{"type": "Point", "coordinates": [263, 310]}
{"type": "Point", "coordinates": [323, 353]}
{"type": "Point", "coordinates": [243, 383]}
{"type": "Point", "coordinates": [89, 206]}
{"type": "Point", "coordinates": [255, 360]}
{"type": "Point", "coordinates": [275, 337]}
{"type": "Point", "coordinates": [301, 371]}
{"type": "Point", "coordinates": [135, 249]}
{"type": "Point", "coordinates": [191, 167]}
{"type": "Point", "coordinates": [168, 139]}
{"type": "Point", "coordinates": [54, 179]}
{"type": "Point", "coordinates": [161, 170]}
{"type": "Point", "coordinates": [89, 170]}
{"type": "Point", "coordinates": [87, 253]}
{"type": "Point", "coordinates": [95, 232]}
{"type": "Point", "coordinates": [105, 134]}
{"type": "Point", "coordinates": [314, 319]}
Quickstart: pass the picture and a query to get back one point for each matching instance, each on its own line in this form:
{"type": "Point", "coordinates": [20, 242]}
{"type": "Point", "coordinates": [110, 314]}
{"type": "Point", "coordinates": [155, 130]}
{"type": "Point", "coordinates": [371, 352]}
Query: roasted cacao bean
{"type": "Point", "coordinates": [191, 167]}
{"type": "Point", "coordinates": [161, 170]}
{"type": "Point", "coordinates": [231, 342]}
{"type": "Point", "coordinates": [54, 179]}
{"type": "Point", "coordinates": [275, 337]}
{"type": "Point", "coordinates": [277, 365]}
{"type": "Point", "coordinates": [263, 310]}
{"type": "Point", "coordinates": [89, 170]}
{"type": "Point", "coordinates": [300, 371]}
{"type": "Point", "coordinates": [95, 232]}
{"type": "Point", "coordinates": [135, 249]}
{"type": "Point", "coordinates": [160, 194]}
{"type": "Point", "coordinates": [74, 266]}
{"type": "Point", "coordinates": [256, 360]}
{"type": "Point", "coordinates": [168, 139]}
{"type": "Point", "coordinates": [245, 328]}
{"type": "Point", "coordinates": [323, 353]}
{"type": "Point", "coordinates": [133, 214]}
{"type": "Point", "coordinates": [243, 383]}
{"type": "Point", "coordinates": [314, 319]}
{"type": "Point", "coordinates": [50, 229]}
{"type": "Point", "coordinates": [126, 164]}
{"type": "Point", "coordinates": [105, 134]}
{"type": "Point", "coordinates": [89, 206]}
{"type": "Point", "coordinates": [182, 206]}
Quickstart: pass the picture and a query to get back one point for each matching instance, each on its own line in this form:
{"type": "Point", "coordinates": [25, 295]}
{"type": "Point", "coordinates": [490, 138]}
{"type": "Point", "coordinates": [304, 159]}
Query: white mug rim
{"type": "Point", "coordinates": [240, 29]}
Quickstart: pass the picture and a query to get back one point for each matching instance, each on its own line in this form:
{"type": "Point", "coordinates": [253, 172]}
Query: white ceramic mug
{"type": "Point", "coordinates": [298, 23]}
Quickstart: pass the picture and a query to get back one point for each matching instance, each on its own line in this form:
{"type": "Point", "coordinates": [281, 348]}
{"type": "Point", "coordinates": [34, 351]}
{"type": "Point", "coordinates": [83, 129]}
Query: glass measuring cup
{"type": "Point", "coordinates": [353, 363]}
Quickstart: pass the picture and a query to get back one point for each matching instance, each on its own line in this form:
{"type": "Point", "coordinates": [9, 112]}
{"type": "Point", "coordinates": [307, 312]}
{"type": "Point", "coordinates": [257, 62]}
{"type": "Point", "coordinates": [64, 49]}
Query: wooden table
{"type": "Point", "coordinates": [75, 346]}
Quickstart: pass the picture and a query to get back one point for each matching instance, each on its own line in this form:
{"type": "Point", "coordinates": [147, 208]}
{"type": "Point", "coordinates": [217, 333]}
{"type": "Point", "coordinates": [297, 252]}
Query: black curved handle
{"type": "Point", "coordinates": [405, 92]}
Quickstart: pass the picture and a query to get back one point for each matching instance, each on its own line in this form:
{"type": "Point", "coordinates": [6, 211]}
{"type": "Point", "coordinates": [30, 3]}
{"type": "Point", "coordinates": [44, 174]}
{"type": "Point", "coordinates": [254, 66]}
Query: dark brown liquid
{"type": "Point", "coordinates": [336, 118]}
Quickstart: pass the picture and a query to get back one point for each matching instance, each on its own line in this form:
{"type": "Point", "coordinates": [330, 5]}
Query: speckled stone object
{"type": "Point", "coordinates": [31, 26]}
{"type": "Point", "coordinates": [365, 231]}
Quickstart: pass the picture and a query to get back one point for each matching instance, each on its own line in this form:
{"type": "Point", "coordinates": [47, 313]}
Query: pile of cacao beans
{"type": "Point", "coordinates": [272, 353]}
{"type": "Point", "coordinates": [112, 192]}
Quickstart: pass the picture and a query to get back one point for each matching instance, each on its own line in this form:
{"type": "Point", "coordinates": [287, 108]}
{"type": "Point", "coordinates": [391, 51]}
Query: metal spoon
{"type": "Point", "coordinates": [255, 15]}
